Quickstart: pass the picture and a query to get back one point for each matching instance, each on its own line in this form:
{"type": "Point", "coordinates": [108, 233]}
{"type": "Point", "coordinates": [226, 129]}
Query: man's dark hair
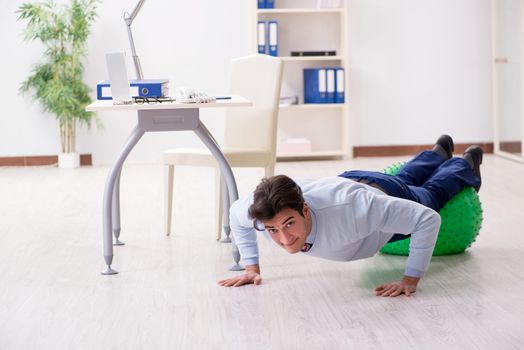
{"type": "Point", "coordinates": [272, 195]}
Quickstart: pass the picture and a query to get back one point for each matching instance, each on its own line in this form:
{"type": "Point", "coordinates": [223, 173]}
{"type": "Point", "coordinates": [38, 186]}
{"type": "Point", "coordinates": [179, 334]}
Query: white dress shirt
{"type": "Point", "coordinates": [350, 221]}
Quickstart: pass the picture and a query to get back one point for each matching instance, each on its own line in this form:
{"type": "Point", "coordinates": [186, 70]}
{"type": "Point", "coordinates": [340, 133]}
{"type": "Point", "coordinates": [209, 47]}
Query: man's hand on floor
{"type": "Point", "coordinates": [251, 276]}
{"type": "Point", "coordinates": [246, 278]}
{"type": "Point", "coordinates": [408, 286]}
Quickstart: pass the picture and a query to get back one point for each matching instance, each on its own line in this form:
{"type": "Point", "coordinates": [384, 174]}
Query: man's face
{"type": "Point", "coordinates": [289, 229]}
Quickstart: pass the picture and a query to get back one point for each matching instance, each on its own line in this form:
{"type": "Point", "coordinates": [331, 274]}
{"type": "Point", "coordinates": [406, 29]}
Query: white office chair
{"type": "Point", "coordinates": [250, 132]}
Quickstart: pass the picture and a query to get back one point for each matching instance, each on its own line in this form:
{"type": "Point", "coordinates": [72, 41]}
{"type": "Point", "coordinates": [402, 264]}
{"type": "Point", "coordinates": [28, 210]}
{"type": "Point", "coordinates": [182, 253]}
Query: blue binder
{"type": "Point", "coordinates": [262, 37]}
{"type": "Point", "coordinates": [261, 4]}
{"type": "Point", "coordinates": [270, 4]}
{"type": "Point", "coordinates": [139, 88]}
{"type": "Point", "coordinates": [330, 85]}
{"type": "Point", "coordinates": [340, 85]}
{"type": "Point", "coordinates": [272, 27]}
{"type": "Point", "coordinates": [315, 85]}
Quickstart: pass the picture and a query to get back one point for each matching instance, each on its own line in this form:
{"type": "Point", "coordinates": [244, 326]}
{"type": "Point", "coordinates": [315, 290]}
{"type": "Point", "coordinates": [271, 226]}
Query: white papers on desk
{"type": "Point", "coordinates": [189, 95]}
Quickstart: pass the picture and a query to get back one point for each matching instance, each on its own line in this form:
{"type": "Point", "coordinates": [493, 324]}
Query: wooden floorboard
{"type": "Point", "coordinates": [52, 295]}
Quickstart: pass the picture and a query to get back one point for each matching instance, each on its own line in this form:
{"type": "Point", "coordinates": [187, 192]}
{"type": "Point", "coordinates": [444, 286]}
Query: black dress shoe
{"type": "Point", "coordinates": [473, 155]}
{"type": "Point", "coordinates": [446, 142]}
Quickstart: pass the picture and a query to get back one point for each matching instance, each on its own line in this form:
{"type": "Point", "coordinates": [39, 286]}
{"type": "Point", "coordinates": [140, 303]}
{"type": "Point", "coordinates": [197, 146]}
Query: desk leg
{"type": "Point", "coordinates": [108, 198]}
{"type": "Point", "coordinates": [226, 172]}
{"type": "Point", "coordinates": [225, 211]}
{"type": "Point", "coordinates": [116, 210]}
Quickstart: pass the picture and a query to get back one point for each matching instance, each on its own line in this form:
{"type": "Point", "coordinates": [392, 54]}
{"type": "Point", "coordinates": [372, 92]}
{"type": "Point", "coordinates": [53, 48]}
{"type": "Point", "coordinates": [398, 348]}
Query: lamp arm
{"type": "Point", "coordinates": [136, 60]}
{"type": "Point", "coordinates": [134, 13]}
{"type": "Point", "coordinates": [129, 18]}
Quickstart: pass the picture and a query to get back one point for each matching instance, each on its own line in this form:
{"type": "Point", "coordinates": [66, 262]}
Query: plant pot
{"type": "Point", "coordinates": [68, 160]}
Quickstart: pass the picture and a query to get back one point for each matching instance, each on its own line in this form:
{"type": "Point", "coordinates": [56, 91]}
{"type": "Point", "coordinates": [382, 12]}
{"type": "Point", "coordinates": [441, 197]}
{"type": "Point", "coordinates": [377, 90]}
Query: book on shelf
{"type": "Point", "coordinates": [267, 37]}
{"type": "Point", "coordinates": [137, 88]}
{"type": "Point", "coordinates": [340, 85]}
{"type": "Point", "coordinates": [312, 53]}
{"type": "Point", "coordinates": [266, 4]}
{"type": "Point", "coordinates": [321, 86]}
{"type": "Point", "coordinates": [272, 27]}
{"type": "Point", "coordinates": [262, 37]}
{"type": "Point", "coordinates": [330, 85]}
{"type": "Point", "coordinates": [315, 85]}
{"type": "Point", "coordinates": [288, 100]}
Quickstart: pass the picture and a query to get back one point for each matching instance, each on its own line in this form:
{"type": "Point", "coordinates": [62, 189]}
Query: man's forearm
{"type": "Point", "coordinates": [423, 241]}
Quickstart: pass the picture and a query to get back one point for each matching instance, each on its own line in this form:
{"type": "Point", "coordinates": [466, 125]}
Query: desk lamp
{"type": "Point", "coordinates": [129, 18]}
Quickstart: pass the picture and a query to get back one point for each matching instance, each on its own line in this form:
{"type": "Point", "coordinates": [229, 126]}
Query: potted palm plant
{"type": "Point", "coordinates": [56, 81]}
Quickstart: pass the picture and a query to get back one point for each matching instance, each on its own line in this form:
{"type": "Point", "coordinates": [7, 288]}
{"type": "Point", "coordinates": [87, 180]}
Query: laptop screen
{"type": "Point", "coordinates": [118, 79]}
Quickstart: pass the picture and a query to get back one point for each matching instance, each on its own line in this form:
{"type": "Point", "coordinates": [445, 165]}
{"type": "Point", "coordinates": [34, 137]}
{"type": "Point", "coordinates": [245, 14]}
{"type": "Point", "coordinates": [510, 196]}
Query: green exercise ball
{"type": "Point", "coordinates": [461, 222]}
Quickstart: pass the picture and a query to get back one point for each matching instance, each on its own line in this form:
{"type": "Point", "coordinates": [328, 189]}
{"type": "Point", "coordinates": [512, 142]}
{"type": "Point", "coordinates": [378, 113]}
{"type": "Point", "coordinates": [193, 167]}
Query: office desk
{"type": "Point", "coordinates": [166, 116]}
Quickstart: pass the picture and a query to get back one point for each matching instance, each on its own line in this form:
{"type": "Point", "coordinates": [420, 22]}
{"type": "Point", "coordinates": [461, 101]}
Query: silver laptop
{"type": "Point", "coordinates": [118, 79]}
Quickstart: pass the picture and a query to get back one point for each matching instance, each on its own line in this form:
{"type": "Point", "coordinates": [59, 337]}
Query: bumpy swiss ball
{"type": "Point", "coordinates": [461, 222]}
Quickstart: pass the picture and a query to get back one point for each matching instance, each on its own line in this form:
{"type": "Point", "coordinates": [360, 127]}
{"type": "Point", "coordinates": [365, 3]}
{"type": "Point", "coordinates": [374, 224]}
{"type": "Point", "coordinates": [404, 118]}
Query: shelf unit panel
{"type": "Point", "coordinates": [321, 128]}
{"type": "Point", "coordinates": [311, 155]}
{"type": "Point", "coordinates": [320, 32]}
{"type": "Point", "coordinates": [293, 77]}
{"type": "Point", "coordinates": [311, 58]}
{"type": "Point", "coordinates": [301, 4]}
{"type": "Point", "coordinates": [313, 106]}
{"type": "Point", "coordinates": [300, 11]}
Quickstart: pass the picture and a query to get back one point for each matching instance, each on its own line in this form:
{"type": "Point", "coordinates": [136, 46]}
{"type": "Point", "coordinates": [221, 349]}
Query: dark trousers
{"type": "Point", "coordinates": [427, 179]}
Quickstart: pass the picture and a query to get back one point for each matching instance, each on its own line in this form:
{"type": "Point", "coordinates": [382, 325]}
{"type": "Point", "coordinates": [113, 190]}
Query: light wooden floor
{"type": "Point", "coordinates": [52, 295]}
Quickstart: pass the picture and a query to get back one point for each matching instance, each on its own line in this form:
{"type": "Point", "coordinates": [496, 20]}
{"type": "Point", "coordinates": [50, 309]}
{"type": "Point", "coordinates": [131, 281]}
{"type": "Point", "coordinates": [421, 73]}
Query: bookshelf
{"type": "Point", "coordinates": [304, 27]}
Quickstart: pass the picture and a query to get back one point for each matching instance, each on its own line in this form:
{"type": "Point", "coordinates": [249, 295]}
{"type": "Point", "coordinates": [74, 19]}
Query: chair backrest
{"type": "Point", "coordinates": [257, 78]}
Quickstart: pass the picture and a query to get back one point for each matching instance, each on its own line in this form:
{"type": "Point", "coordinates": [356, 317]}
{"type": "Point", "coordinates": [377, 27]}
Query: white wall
{"type": "Point", "coordinates": [190, 42]}
{"type": "Point", "coordinates": [417, 69]}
